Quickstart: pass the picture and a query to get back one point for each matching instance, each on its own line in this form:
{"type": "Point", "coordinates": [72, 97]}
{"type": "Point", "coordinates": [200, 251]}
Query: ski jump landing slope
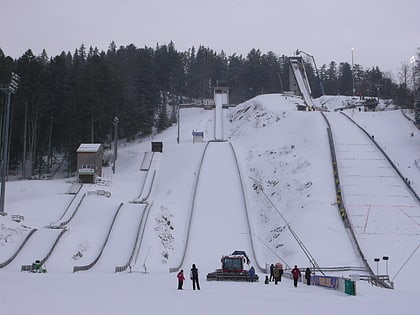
{"type": "Point", "coordinates": [384, 214]}
{"type": "Point", "coordinates": [219, 213]}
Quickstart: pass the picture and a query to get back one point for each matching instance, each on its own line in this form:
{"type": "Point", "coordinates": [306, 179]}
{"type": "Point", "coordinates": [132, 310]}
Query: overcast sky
{"type": "Point", "coordinates": [383, 33]}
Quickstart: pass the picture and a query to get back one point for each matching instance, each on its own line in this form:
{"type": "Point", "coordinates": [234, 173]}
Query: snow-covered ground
{"type": "Point", "coordinates": [279, 150]}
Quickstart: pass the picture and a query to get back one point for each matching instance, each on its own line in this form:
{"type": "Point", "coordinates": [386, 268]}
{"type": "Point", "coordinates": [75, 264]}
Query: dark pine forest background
{"type": "Point", "coordinates": [72, 98]}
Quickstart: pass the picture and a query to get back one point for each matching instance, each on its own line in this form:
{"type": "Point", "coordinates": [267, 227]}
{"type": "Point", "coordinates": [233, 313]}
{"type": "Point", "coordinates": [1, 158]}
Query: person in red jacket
{"type": "Point", "coordinates": [296, 275]}
{"type": "Point", "coordinates": [181, 279]}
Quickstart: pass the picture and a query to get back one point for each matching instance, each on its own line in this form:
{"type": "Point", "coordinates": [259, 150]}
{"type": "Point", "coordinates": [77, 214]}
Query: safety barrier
{"type": "Point", "coordinates": [8, 261]}
{"type": "Point", "coordinates": [44, 260]}
{"type": "Point", "coordinates": [382, 281]}
{"type": "Point", "coordinates": [89, 266]}
{"type": "Point", "coordinates": [345, 285]}
{"type": "Point", "coordinates": [62, 224]}
{"type": "Point", "coordinates": [340, 203]}
{"type": "Point", "coordinates": [139, 239]}
{"type": "Point", "coordinates": [195, 184]}
{"type": "Point", "coordinates": [72, 191]}
{"type": "Point", "coordinates": [149, 183]}
{"type": "Point", "coordinates": [147, 161]}
{"type": "Point", "coordinates": [243, 189]}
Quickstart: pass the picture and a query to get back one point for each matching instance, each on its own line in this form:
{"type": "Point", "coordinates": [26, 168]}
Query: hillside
{"type": "Point", "coordinates": [285, 173]}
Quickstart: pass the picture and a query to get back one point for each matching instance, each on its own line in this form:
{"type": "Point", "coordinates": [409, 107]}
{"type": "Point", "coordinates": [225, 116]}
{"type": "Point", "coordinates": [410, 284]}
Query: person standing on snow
{"type": "Point", "coordinates": [194, 277]}
{"type": "Point", "coordinates": [296, 275]}
{"type": "Point", "coordinates": [181, 279]}
{"type": "Point", "coordinates": [276, 274]}
{"type": "Point", "coordinates": [280, 271]}
{"type": "Point", "coordinates": [308, 276]}
{"type": "Point", "coordinates": [251, 274]}
{"type": "Point", "coordinates": [271, 272]}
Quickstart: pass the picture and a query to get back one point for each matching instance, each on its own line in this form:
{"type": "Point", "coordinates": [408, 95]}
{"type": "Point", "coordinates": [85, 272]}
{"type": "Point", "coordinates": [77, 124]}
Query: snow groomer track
{"type": "Point", "coordinates": [382, 210]}
{"type": "Point", "coordinates": [217, 215]}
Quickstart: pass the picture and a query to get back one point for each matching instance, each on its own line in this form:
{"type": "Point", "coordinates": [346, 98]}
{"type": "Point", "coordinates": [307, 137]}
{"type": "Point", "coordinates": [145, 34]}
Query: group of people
{"type": "Point", "coordinates": [193, 277]}
{"type": "Point", "coordinates": [276, 272]}
{"type": "Point", "coordinates": [296, 274]}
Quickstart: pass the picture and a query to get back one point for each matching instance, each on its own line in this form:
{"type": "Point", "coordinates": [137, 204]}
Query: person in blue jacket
{"type": "Point", "coordinates": [251, 274]}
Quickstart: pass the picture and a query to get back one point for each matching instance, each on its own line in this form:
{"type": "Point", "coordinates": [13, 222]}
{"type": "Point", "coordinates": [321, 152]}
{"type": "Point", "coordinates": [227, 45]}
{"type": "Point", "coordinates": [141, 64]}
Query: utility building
{"type": "Point", "coordinates": [89, 161]}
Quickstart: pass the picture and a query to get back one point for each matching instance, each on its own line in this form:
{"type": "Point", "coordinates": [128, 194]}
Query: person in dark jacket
{"type": "Point", "coordinates": [271, 272]}
{"type": "Point", "coordinates": [251, 274]}
{"type": "Point", "coordinates": [181, 279]}
{"type": "Point", "coordinates": [276, 274]}
{"type": "Point", "coordinates": [308, 276]}
{"type": "Point", "coordinates": [296, 275]}
{"type": "Point", "coordinates": [194, 277]}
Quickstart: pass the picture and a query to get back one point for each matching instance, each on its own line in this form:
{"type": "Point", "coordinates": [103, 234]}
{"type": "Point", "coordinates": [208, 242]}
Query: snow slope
{"type": "Point", "coordinates": [282, 151]}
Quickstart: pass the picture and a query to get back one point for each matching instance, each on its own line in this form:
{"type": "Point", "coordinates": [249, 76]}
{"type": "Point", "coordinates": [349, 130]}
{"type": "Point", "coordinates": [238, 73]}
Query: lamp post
{"type": "Point", "coordinates": [9, 89]}
{"type": "Point", "coordinates": [378, 86]}
{"type": "Point", "coordinates": [352, 71]}
{"type": "Point", "coordinates": [377, 265]}
{"type": "Point", "coordinates": [115, 123]}
{"type": "Point", "coordinates": [413, 62]}
{"type": "Point", "coordinates": [386, 258]}
{"type": "Point", "coordinates": [178, 114]}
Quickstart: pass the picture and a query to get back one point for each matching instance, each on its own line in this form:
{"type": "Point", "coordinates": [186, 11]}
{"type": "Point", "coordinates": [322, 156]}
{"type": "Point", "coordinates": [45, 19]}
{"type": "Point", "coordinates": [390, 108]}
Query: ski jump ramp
{"type": "Point", "coordinates": [301, 78]}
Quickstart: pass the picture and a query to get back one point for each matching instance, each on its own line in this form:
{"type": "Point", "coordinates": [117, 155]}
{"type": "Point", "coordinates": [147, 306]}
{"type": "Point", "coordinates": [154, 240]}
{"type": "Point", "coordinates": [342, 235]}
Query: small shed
{"type": "Point", "coordinates": [157, 146]}
{"type": "Point", "coordinates": [89, 161]}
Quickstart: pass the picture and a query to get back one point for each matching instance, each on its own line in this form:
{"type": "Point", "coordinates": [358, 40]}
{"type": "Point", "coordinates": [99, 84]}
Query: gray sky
{"type": "Point", "coordinates": [382, 32]}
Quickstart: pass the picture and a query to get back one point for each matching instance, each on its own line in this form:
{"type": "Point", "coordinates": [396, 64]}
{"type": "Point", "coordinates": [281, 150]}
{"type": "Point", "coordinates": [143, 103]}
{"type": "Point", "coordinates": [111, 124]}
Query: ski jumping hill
{"type": "Point", "coordinates": [197, 203]}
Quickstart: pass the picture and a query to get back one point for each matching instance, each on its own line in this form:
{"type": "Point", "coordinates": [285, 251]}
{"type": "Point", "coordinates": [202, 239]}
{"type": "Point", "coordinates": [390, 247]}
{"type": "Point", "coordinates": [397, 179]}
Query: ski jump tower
{"type": "Point", "coordinates": [221, 99]}
{"type": "Point", "coordinates": [299, 83]}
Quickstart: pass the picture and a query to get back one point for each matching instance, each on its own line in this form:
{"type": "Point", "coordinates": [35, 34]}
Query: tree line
{"type": "Point", "coordinates": [72, 98]}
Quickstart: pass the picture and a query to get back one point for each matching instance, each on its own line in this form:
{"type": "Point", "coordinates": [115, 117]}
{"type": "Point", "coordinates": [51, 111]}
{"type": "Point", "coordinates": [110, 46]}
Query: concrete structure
{"type": "Point", "coordinates": [89, 161]}
{"type": "Point", "coordinates": [223, 93]}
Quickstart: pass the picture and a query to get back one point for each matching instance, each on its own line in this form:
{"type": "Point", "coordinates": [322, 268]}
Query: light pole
{"type": "Point", "coordinates": [352, 70]}
{"type": "Point", "coordinates": [9, 89]}
{"type": "Point", "coordinates": [413, 62]}
{"type": "Point", "coordinates": [377, 265]}
{"type": "Point", "coordinates": [378, 86]}
{"type": "Point", "coordinates": [115, 123]}
{"type": "Point", "coordinates": [178, 114]}
{"type": "Point", "coordinates": [386, 258]}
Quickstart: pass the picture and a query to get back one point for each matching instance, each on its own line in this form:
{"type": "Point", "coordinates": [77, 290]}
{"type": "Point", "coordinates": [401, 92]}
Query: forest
{"type": "Point", "coordinates": [73, 98]}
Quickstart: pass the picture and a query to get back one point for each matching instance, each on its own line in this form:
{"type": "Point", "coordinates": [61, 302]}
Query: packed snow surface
{"type": "Point", "coordinates": [283, 181]}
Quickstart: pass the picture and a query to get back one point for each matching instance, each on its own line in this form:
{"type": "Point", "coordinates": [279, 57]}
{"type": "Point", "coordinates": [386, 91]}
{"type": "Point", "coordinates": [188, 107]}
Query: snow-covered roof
{"type": "Point", "coordinates": [89, 147]}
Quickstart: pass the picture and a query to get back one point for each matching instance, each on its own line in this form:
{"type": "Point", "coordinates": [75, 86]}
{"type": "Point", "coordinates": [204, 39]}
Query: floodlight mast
{"type": "Point", "coordinates": [9, 89]}
{"type": "Point", "coordinates": [298, 52]}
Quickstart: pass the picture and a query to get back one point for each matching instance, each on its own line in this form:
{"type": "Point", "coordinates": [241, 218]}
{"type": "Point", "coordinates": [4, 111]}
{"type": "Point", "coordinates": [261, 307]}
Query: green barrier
{"type": "Point", "coordinates": [349, 287]}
